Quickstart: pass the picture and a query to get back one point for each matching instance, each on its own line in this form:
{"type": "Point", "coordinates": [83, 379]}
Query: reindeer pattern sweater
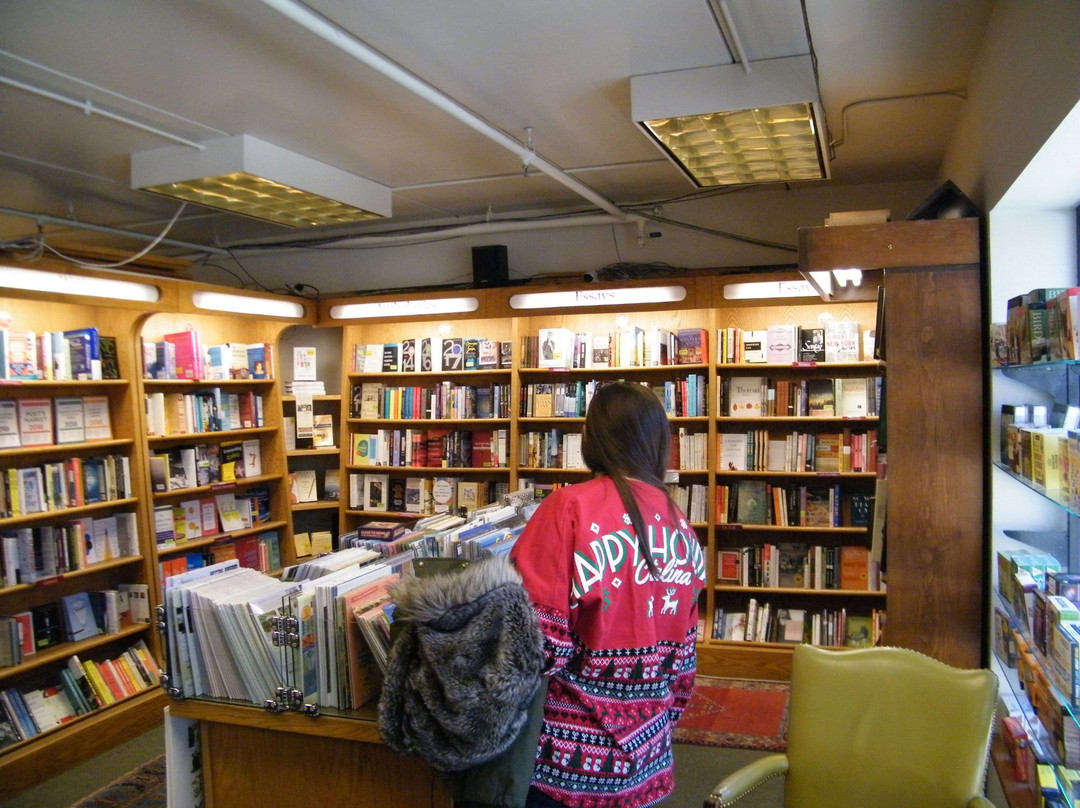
{"type": "Point", "coordinates": [619, 644]}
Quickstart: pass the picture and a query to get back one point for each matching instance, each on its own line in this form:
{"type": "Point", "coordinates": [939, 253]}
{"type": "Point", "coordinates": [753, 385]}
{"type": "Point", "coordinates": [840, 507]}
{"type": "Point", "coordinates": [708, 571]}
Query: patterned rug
{"type": "Point", "coordinates": [143, 787]}
{"type": "Point", "coordinates": [736, 713]}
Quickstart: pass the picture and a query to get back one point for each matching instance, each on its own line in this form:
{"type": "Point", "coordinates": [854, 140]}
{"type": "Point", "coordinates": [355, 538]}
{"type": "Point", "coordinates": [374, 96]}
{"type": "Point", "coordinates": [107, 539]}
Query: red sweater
{"type": "Point", "coordinates": [619, 645]}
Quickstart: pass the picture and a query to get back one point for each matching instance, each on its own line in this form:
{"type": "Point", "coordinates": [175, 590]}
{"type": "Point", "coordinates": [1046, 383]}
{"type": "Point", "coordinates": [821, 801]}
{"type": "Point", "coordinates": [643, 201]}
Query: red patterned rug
{"type": "Point", "coordinates": [143, 787]}
{"type": "Point", "coordinates": [736, 713]}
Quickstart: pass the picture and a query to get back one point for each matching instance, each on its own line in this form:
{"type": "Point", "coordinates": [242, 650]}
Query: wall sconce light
{"type": "Point", "coordinates": [403, 308]}
{"type": "Point", "coordinates": [242, 174]}
{"type": "Point", "coordinates": [598, 297]}
{"type": "Point", "coordinates": [735, 124]}
{"type": "Point", "coordinates": [33, 280]}
{"type": "Point", "coordinates": [242, 304]}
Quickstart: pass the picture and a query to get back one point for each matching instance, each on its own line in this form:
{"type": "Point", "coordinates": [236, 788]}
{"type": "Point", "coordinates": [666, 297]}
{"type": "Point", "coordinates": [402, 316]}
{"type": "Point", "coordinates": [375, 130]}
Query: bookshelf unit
{"type": "Point", "coordinates": [936, 556]}
{"type": "Point", "coordinates": [22, 763]}
{"type": "Point", "coordinates": [427, 431]}
{"type": "Point", "coordinates": [249, 424]}
{"type": "Point", "coordinates": [313, 505]}
{"type": "Point", "coordinates": [806, 500]}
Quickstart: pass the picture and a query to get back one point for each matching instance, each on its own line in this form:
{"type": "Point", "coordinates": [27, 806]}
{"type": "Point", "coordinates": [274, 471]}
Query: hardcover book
{"type": "Point", "coordinates": [811, 345]}
{"type": "Point", "coordinates": [746, 396]}
{"type": "Point", "coordinates": [693, 346]}
{"type": "Point", "coordinates": [96, 421]}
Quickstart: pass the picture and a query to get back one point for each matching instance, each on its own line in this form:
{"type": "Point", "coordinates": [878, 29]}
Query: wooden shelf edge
{"type": "Point", "coordinates": [24, 766]}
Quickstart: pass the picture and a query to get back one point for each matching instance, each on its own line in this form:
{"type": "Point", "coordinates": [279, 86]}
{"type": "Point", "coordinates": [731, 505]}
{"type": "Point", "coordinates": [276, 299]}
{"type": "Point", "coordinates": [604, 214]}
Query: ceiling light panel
{"type": "Point", "coordinates": [248, 176]}
{"type": "Point", "coordinates": [726, 125]}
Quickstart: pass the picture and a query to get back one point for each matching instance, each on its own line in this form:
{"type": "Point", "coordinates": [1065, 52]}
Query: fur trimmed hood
{"type": "Point", "coordinates": [464, 667]}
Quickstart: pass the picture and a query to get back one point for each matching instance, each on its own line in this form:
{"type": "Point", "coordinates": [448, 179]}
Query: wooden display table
{"type": "Point", "coordinates": [255, 759]}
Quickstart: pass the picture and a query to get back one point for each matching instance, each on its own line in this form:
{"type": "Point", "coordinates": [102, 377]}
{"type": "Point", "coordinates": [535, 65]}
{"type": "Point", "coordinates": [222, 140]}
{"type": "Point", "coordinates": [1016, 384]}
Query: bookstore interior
{"type": "Point", "coordinates": [208, 494]}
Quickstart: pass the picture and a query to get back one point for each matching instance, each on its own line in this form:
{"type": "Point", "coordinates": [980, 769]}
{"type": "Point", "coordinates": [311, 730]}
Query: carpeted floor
{"type": "Point", "coordinates": [736, 714]}
{"type": "Point", "coordinates": [142, 787]}
{"type": "Point", "coordinates": [733, 717]}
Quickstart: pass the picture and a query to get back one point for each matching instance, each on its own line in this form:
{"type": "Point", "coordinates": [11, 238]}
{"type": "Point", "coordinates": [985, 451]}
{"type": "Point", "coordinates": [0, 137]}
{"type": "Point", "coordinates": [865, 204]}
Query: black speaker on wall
{"type": "Point", "coordinates": [489, 265]}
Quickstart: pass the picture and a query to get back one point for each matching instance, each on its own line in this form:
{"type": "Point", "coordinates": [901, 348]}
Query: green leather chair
{"type": "Point", "coordinates": [878, 728]}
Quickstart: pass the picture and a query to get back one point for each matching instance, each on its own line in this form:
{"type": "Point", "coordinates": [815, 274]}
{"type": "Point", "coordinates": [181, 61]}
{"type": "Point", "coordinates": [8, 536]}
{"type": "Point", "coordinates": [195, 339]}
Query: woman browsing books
{"type": "Point", "coordinates": [613, 571]}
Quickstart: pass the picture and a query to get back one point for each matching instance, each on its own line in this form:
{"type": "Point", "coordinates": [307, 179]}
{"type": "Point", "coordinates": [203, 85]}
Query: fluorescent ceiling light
{"type": "Point", "coordinates": [245, 175]}
{"type": "Point", "coordinates": [729, 125]}
{"type": "Point", "coordinates": [402, 308]}
{"type": "Point", "coordinates": [243, 304]}
{"type": "Point", "coordinates": [33, 280]}
{"type": "Point", "coordinates": [598, 297]}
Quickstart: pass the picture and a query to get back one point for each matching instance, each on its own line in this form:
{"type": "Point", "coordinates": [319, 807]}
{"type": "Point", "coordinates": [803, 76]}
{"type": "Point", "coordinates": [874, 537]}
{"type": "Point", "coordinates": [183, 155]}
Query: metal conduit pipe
{"type": "Point", "coordinates": [346, 42]}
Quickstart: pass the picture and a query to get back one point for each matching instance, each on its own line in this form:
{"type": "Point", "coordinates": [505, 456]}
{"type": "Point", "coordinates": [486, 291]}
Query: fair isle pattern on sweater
{"type": "Point", "coordinates": [580, 764]}
{"type": "Point", "coordinates": [619, 643]}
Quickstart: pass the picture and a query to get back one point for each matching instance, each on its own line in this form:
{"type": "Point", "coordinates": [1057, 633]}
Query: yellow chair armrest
{"type": "Point", "coordinates": [980, 802]}
{"type": "Point", "coordinates": [740, 782]}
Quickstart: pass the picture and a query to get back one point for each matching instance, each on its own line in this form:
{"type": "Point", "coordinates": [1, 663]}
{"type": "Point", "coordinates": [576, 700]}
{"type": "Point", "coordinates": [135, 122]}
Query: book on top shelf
{"type": "Point", "coordinates": [693, 346]}
{"type": "Point", "coordinates": [83, 352]}
{"type": "Point", "coordinates": [755, 345]}
{"type": "Point", "coordinates": [304, 366]}
{"type": "Point", "coordinates": [556, 348]}
{"type": "Point", "coordinates": [781, 343]}
{"type": "Point", "coordinates": [21, 355]}
{"type": "Point", "coordinates": [811, 344]}
{"type": "Point", "coordinates": [842, 340]}
{"type": "Point", "coordinates": [189, 355]}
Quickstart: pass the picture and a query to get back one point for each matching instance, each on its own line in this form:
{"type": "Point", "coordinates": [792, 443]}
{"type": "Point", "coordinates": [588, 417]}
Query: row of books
{"type": "Point", "coordinates": [760, 396]}
{"type": "Point", "coordinates": [43, 552]}
{"type": "Point", "coordinates": [83, 687]}
{"type": "Point", "coordinates": [77, 354]}
{"type": "Point", "coordinates": [209, 410]}
{"type": "Point", "coordinates": [51, 421]}
{"type": "Point", "coordinates": [260, 551]}
{"type": "Point", "coordinates": [786, 343]}
{"type": "Point", "coordinates": [182, 356]}
{"type": "Point", "coordinates": [205, 464]}
{"type": "Point", "coordinates": [631, 346]}
{"type": "Point", "coordinates": [223, 512]}
{"type": "Point", "coordinates": [431, 355]}
{"type": "Point", "coordinates": [681, 398]}
{"type": "Point", "coordinates": [304, 485]}
{"type": "Point", "coordinates": [1043, 325]}
{"type": "Point", "coordinates": [693, 500]}
{"type": "Point", "coordinates": [776, 450]}
{"type": "Point", "coordinates": [421, 495]}
{"type": "Point", "coordinates": [74, 617]}
{"type": "Point", "coordinates": [763, 622]}
{"type": "Point", "coordinates": [431, 448]}
{"type": "Point", "coordinates": [758, 502]}
{"type": "Point", "coordinates": [61, 484]}
{"type": "Point", "coordinates": [375, 400]}
{"type": "Point", "coordinates": [798, 565]}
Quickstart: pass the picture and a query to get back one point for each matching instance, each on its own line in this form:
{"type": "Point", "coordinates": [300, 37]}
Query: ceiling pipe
{"type": "Point", "coordinates": [87, 106]}
{"type": "Point", "coordinates": [722, 14]}
{"type": "Point", "coordinates": [477, 229]}
{"type": "Point", "coordinates": [42, 218]}
{"type": "Point", "coordinates": [346, 42]}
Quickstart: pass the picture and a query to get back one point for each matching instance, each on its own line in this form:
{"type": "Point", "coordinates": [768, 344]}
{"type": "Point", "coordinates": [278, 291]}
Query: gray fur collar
{"type": "Point", "coordinates": [464, 667]}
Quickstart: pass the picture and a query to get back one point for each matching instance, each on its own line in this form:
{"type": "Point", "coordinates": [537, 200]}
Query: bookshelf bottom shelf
{"type": "Point", "coordinates": [251, 758]}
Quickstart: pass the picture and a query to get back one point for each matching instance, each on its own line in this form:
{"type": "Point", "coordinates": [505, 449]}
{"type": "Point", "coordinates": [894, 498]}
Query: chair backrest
{"type": "Point", "coordinates": [876, 727]}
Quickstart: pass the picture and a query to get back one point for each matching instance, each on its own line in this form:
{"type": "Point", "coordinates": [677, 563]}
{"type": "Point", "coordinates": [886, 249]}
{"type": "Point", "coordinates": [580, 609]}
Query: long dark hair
{"type": "Point", "coordinates": [627, 435]}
